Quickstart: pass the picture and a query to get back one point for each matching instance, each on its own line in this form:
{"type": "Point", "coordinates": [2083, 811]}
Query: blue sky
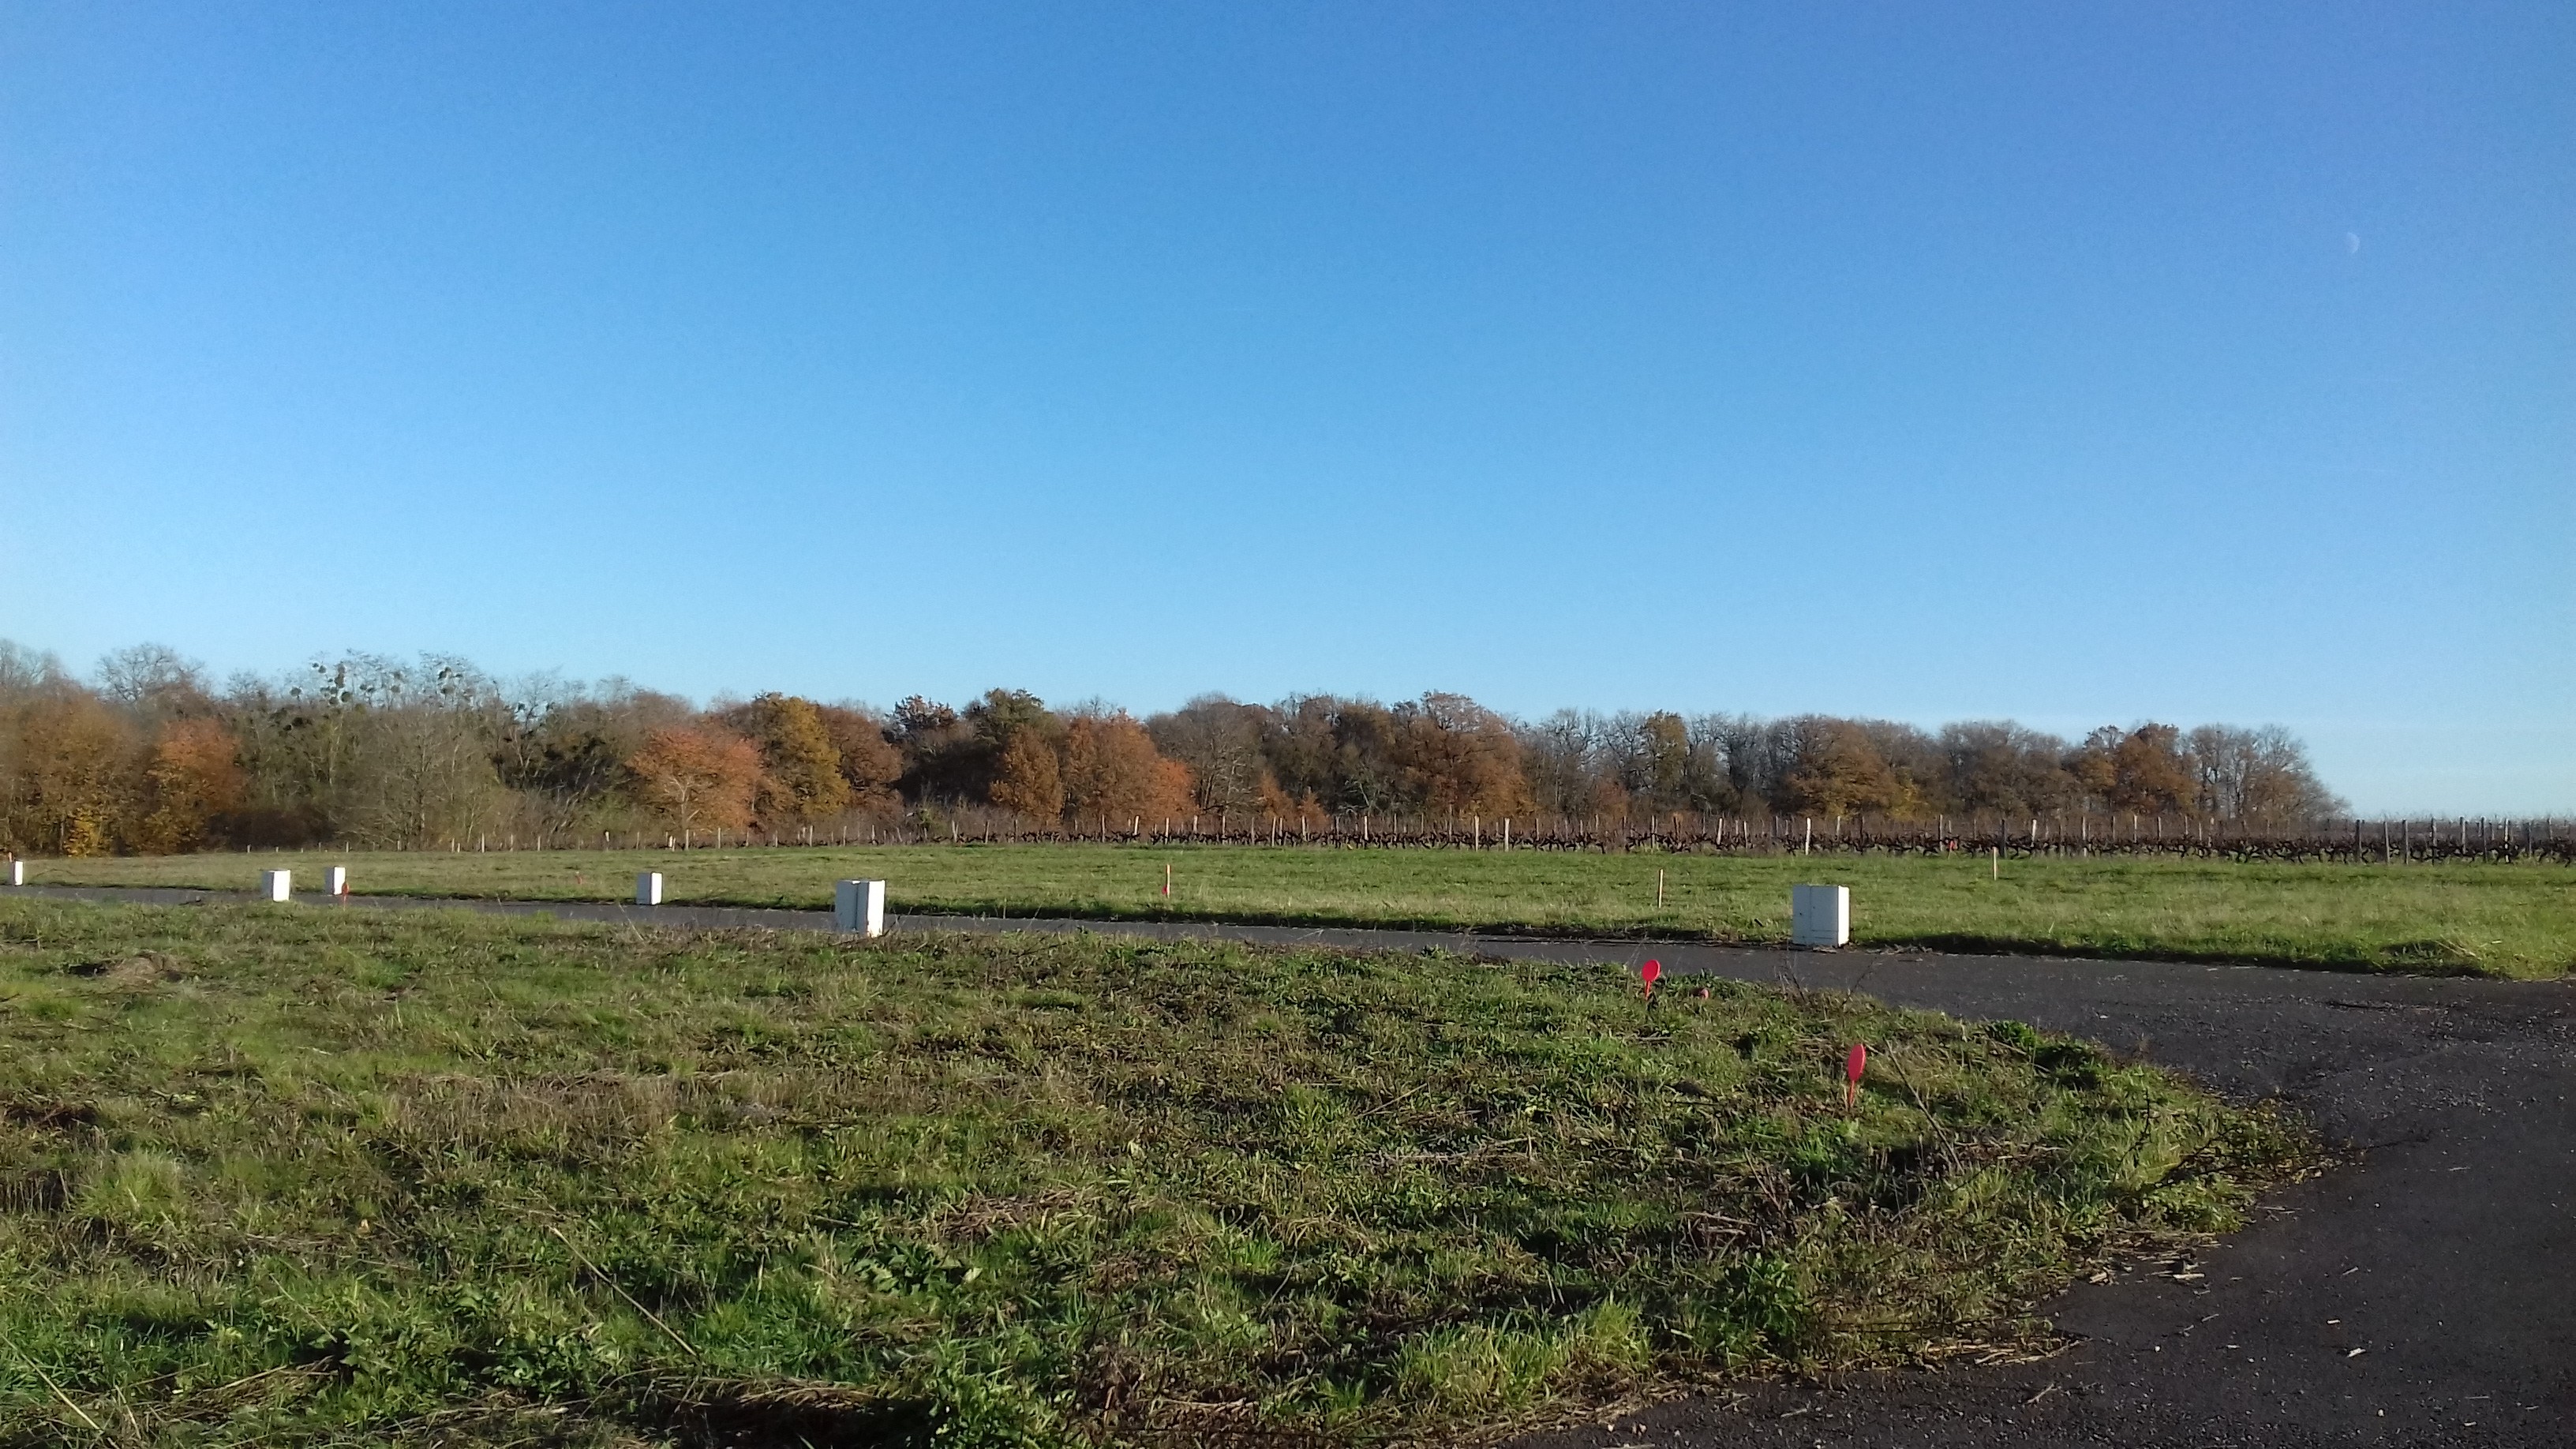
{"type": "Point", "coordinates": [2080, 364]}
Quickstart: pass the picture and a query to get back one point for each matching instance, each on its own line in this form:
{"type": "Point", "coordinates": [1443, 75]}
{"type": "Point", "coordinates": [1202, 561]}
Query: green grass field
{"type": "Point", "coordinates": [291, 1178]}
{"type": "Point", "coordinates": [2500, 920]}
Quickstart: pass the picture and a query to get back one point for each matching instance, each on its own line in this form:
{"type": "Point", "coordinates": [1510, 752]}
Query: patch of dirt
{"type": "Point", "coordinates": [150, 968]}
{"type": "Point", "coordinates": [814, 1415]}
{"type": "Point", "coordinates": [42, 1191]}
{"type": "Point", "coordinates": [49, 1116]}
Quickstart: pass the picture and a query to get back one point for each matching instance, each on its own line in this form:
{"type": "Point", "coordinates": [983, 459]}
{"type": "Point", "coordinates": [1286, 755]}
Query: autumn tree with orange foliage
{"type": "Point", "coordinates": [1455, 754]}
{"type": "Point", "coordinates": [194, 779]}
{"type": "Point", "coordinates": [1111, 772]}
{"type": "Point", "coordinates": [75, 784]}
{"type": "Point", "coordinates": [697, 778]}
{"type": "Point", "coordinates": [800, 777]}
{"type": "Point", "coordinates": [870, 764]}
{"type": "Point", "coordinates": [2145, 769]}
{"type": "Point", "coordinates": [1836, 769]}
{"type": "Point", "coordinates": [1029, 780]}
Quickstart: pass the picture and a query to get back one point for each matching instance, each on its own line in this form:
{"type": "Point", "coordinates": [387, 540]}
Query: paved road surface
{"type": "Point", "coordinates": [2422, 1294]}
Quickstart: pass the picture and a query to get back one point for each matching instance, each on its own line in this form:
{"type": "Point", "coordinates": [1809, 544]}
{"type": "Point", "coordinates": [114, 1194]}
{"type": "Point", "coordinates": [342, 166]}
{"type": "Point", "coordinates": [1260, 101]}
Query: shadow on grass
{"type": "Point", "coordinates": [2427, 958]}
{"type": "Point", "coordinates": [2409, 958]}
{"type": "Point", "coordinates": [719, 1415]}
{"type": "Point", "coordinates": [818, 1416]}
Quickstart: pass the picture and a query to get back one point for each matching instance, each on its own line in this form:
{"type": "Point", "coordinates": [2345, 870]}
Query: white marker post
{"type": "Point", "coordinates": [276, 885]}
{"type": "Point", "coordinates": [335, 881]}
{"type": "Point", "coordinates": [648, 888]}
{"type": "Point", "coordinates": [1820, 916]}
{"type": "Point", "coordinates": [17, 871]}
{"type": "Point", "coordinates": [859, 905]}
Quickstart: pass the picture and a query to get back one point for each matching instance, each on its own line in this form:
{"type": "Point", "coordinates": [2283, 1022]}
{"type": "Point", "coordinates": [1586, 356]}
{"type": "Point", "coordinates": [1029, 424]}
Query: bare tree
{"type": "Point", "coordinates": [25, 672]}
{"type": "Point", "coordinates": [1757, 755]}
{"type": "Point", "coordinates": [154, 682]}
{"type": "Point", "coordinates": [1562, 757]}
{"type": "Point", "coordinates": [1220, 741]}
{"type": "Point", "coordinates": [1999, 767]}
{"type": "Point", "coordinates": [2258, 774]}
{"type": "Point", "coordinates": [423, 771]}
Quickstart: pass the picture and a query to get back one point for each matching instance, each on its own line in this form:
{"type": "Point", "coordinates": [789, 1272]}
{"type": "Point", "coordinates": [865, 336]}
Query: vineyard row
{"type": "Point", "coordinates": [2347, 841]}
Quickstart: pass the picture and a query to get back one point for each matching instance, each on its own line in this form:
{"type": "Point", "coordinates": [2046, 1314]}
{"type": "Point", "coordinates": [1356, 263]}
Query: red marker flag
{"type": "Point", "coordinates": [1650, 971]}
{"type": "Point", "coordinates": [1853, 1066]}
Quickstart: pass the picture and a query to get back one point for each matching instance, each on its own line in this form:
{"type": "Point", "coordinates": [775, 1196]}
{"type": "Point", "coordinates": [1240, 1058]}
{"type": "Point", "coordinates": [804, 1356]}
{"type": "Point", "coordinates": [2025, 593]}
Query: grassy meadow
{"type": "Point", "coordinates": [305, 1178]}
{"type": "Point", "coordinates": [2500, 920]}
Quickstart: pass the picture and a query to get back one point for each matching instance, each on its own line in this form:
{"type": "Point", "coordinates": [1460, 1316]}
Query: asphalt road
{"type": "Point", "coordinates": [2421, 1293]}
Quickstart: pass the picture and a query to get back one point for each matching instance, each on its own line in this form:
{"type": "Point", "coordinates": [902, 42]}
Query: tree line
{"type": "Point", "coordinates": [148, 755]}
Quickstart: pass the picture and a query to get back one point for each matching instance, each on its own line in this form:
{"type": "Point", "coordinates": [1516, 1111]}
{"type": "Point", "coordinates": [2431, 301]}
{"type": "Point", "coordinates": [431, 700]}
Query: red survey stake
{"type": "Point", "coordinates": [1853, 1066]}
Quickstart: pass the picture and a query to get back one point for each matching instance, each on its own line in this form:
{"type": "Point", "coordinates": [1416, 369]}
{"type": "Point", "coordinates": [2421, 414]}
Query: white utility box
{"type": "Point", "coordinates": [648, 888]}
{"type": "Point", "coordinates": [1820, 916]}
{"type": "Point", "coordinates": [859, 905]}
{"type": "Point", "coordinates": [17, 872]}
{"type": "Point", "coordinates": [335, 881]}
{"type": "Point", "coordinates": [276, 885]}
